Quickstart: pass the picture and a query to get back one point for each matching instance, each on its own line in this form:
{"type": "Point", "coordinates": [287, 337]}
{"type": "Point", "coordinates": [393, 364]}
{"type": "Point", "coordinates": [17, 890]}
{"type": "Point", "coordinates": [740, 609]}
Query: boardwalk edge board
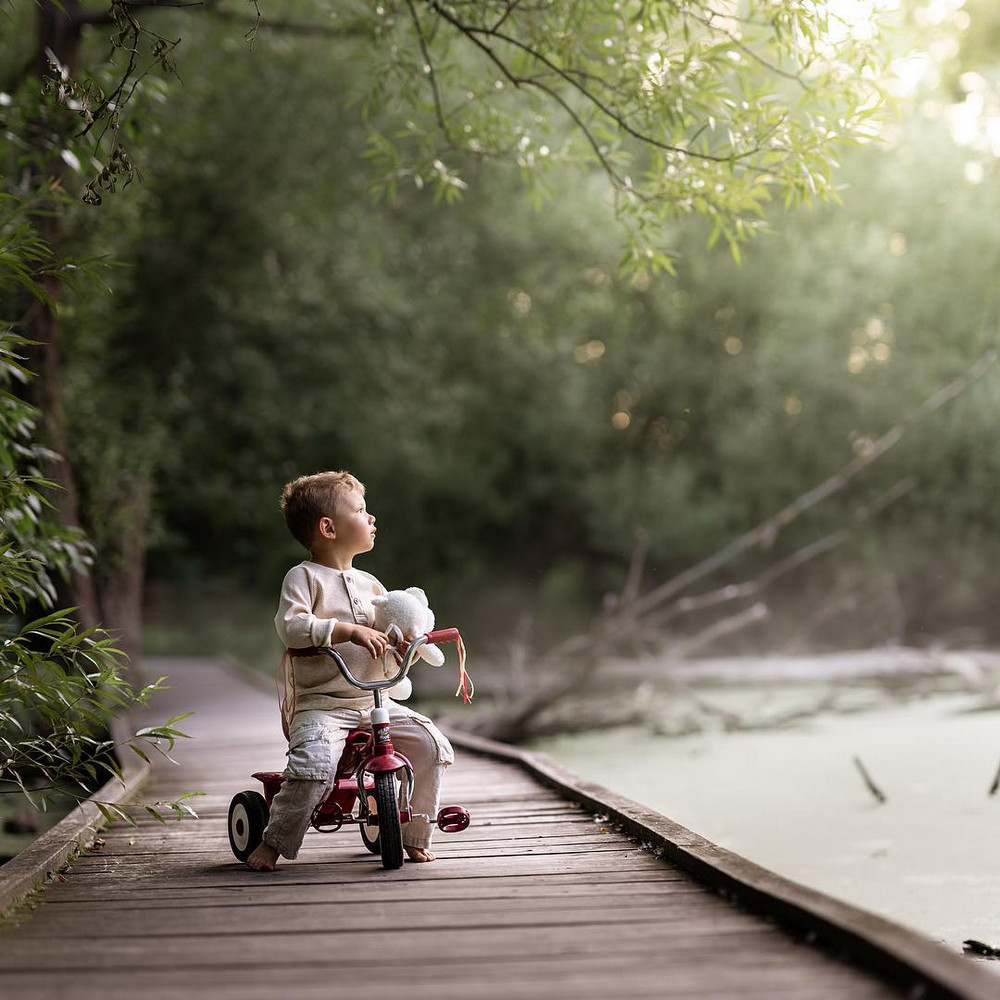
{"type": "Point", "coordinates": [50, 852]}
{"type": "Point", "coordinates": [924, 968]}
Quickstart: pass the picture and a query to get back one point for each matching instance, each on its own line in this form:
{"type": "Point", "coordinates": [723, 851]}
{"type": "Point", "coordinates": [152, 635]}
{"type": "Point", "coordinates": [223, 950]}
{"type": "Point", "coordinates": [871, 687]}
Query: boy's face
{"type": "Point", "coordinates": [354, 527]}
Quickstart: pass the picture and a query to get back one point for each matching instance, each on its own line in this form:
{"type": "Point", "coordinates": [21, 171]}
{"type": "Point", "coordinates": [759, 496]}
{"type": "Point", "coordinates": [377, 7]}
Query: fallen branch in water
{"type": "Point", "coordinates": [973, 947]}
{"type": "Point", "coordinates": [869, 783]}
{"type": "Point", "coordinates": [766, 532]}
{"type": "Point", "coordinates": [632, 623]}
{"type": "Point", "coordinates": [996, 782]}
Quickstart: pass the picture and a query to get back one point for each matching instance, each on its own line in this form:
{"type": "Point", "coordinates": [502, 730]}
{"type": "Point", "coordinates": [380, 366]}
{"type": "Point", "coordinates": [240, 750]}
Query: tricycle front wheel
{"type": "Point", "coordinates": [390, 833]}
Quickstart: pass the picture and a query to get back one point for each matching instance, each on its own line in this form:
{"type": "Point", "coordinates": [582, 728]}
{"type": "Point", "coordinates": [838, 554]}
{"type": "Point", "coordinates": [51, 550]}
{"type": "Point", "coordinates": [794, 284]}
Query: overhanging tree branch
{"type": "Point", "coordinates": [429, 69]}
{"type": "Point", "coordinates": [472, 32]}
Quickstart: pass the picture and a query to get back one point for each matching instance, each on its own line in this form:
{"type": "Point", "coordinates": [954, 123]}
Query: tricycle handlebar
{"type": "Point", "coordinates": [442, 635]}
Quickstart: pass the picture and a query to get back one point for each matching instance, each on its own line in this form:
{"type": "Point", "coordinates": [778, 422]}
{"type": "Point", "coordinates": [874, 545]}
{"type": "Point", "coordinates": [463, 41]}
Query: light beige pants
{"type": "Point", "coordinates": [315, 743]}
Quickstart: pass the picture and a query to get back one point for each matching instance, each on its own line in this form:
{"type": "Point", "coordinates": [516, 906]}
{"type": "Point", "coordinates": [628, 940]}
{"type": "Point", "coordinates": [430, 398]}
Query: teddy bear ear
{"type": "Point", "coordinates": [376, 601]}
{"type": "Point", "coordinates": [418, 594]}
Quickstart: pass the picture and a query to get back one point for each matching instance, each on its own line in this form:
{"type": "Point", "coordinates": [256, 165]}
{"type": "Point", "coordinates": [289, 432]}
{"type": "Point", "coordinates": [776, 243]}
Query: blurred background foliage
{"type": "Point", "coordinates": [521, 410]}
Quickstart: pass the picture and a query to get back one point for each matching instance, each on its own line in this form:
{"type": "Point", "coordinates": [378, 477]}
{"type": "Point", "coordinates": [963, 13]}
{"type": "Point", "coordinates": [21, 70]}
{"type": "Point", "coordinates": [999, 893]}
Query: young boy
{"type": "Point", "coordinates": [325, 601]}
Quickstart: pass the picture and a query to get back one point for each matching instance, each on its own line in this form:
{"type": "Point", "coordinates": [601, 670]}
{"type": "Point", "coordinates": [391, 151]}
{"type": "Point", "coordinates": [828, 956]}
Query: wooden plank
{"type": "Point", "coordinates": [283, 890]}
{"type": "Point", "coordinates": [530, 979]}
{"type": "Point", "coordinates": [120, 838]}
{"type": "Point", "coordinates": [363, 914]}
{"type": "Point", "coordinates": [452, 895]}
{"type": "Point", "coordinates": [750, 946]}
{"type": "Point", "coordinates": [346, 845]}
{"type": "Point", "coordinates": [360, 867]}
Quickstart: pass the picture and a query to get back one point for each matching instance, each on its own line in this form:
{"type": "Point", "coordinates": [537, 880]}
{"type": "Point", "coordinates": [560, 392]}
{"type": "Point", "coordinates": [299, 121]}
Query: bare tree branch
{"type": "Point", "coordinates": [633, 579]}
{"type": "Point", "coordinates": [717, 630]}
{"type": "Point", "coordinates": [766, 531]}
{"type": "Point", "coordinates": [800, 557]}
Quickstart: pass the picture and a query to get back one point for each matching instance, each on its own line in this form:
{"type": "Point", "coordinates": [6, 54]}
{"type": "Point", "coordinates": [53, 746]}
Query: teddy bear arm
{"type": "Point", "coordinates": [433, 655]}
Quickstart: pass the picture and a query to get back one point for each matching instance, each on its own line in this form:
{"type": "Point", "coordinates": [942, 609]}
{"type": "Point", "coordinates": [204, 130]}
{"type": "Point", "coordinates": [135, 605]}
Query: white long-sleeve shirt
{"type": "Point", "coordinates": [313, 599]}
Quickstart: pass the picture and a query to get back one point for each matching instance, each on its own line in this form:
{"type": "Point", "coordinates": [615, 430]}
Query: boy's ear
{"type": "Point", "coordinates": [326, 527]}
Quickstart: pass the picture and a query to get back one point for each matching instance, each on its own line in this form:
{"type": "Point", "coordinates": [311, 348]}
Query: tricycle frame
{"type": "Point", "coordinates": [368, 769]}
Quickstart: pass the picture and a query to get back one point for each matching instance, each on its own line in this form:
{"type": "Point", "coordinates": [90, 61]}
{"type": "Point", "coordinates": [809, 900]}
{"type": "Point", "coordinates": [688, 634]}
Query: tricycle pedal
{"type": "Point", "coordinates": [453, 819]}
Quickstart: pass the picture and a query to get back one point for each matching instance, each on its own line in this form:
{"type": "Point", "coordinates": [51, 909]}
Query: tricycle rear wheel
{"type": "Point", "coordinates": [247, 818]}
{"type": "Point", "coordinates": [369, 834]}
{"type": "Point", "coordinates": [390, 833]}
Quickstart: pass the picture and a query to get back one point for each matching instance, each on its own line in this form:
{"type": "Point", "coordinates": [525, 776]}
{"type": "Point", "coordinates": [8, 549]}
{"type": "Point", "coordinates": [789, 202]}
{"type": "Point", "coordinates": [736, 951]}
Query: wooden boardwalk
{"type": "Point", "coordinates": [535, 900]}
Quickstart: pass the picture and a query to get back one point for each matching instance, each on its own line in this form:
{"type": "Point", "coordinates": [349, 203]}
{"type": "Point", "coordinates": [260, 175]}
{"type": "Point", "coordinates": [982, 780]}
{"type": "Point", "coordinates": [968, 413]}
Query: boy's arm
{"type": "Point", "coordinates": [371, 639]}
{"type": "Point", "coordinates": [296, 625]}
{"type": "Point", "coordinates": [299, 628]}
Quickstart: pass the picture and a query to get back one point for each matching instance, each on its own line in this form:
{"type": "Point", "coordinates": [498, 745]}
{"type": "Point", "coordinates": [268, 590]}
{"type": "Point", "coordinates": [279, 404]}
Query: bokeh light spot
{"type": "Point", "coordinates": [590, 351]}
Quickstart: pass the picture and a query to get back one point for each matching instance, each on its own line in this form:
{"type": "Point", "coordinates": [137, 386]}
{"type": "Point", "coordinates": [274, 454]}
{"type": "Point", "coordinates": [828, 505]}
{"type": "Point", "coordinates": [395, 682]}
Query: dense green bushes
{"type": "Point", "coordinates": [519, 409]}
{"type": "Point", "coordinates": [60, 684]}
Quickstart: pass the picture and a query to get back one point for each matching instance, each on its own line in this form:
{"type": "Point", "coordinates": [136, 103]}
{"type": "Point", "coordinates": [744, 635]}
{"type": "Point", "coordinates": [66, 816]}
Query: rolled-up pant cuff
{"type": "Point", "coordinates": [417, 835]}
{"type": "Point", "coordinates": [296, 800]}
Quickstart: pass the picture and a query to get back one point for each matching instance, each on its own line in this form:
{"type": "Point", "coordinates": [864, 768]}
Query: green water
{"type": "Point", "coordinates": [793, 801]}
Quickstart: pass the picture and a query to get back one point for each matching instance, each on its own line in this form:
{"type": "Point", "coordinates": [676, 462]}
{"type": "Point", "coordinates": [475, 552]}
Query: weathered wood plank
{"type": "Point", "coordinates": [214, 833]}
{"type": "Point", "coordinates": [251, 892]}
{"type": "Point", "coordinates": [358, 915]}
{"type": "Point", "coordinates": [748, 944]}
{"type": "Point", "coordinates": [485, 850]}
{"type": "Point", "coordinates": [529, 979]}
{"type": "Point", "coordinates": [456, 899]}
{"type": "Point", "coordinates": [359, 867]}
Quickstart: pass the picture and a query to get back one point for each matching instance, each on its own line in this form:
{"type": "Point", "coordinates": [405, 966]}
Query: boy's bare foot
{"type": "Point", "coordinates": [417, 854]}
{"type": "Point", "coordinates": [264, 859]}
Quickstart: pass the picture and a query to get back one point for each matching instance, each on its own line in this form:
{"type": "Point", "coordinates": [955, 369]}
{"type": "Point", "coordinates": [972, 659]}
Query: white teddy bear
{"type": "Point", "coordinates": [411, 615]}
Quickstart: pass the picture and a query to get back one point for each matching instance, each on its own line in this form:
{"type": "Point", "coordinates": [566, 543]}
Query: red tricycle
{"type": "Point", "coordinates": [373, 784]}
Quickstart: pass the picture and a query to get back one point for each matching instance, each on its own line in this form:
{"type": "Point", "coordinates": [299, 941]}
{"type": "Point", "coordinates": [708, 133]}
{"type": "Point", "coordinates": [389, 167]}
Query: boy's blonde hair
{"type": "Point", "coordinates": [306, 499]}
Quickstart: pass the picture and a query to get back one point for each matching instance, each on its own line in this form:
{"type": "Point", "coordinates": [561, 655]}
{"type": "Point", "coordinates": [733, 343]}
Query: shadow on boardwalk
{"type": "Point", "coordinates": [535, 900]}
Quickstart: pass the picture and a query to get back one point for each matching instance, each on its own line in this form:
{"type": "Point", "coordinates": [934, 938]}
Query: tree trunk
{"type": "Point", "coordinates": [120, 590]}
{"type": "Point", "coordinates": [58, 33]}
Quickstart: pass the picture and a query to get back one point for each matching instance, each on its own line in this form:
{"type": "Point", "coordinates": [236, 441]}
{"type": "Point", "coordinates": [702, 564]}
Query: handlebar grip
{"type": "Point", "coordinates": [443, 635]}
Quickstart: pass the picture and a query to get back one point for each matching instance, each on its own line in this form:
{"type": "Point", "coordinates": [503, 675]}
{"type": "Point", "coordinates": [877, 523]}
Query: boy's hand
{"type": "Point", "coordinates": [400, 645]}
{"type": "Point", "coordinates": [399, 650]}
{"type": "Point", "coordinates": [374, 641]}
